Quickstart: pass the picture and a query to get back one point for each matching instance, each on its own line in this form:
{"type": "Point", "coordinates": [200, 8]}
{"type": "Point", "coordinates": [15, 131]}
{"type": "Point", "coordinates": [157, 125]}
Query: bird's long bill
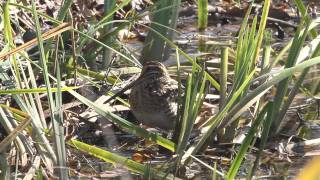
{"type": "Point", "coordinates": [129, 86]}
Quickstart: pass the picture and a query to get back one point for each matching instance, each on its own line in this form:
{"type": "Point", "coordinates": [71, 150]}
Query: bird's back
{"type": "Point", "coordinates": [153, 101]}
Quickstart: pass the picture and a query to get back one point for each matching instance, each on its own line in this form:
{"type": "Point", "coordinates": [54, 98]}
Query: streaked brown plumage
{"type": "Point", "coordinates": [153, 97]}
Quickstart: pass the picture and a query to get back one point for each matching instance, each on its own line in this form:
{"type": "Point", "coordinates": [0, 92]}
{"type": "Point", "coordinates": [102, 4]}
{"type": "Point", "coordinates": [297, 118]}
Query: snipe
{"type": "Point", "coordinates": [153, 97]}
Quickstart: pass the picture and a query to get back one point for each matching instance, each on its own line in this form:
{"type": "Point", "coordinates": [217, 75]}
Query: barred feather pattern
{"type": "Point", "coordinates": [153, 99]}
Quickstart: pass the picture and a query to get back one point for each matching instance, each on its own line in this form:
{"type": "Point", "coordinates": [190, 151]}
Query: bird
{"type": "Point", "coordinates": [154, 97]}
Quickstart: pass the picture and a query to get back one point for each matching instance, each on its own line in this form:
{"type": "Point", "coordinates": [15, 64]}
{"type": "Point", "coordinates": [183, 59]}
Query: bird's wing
{"type": "Point", "coordinates": [171, 89]}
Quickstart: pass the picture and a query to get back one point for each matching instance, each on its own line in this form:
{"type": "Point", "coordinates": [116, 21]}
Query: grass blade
{"type": "Point", "coordinates": [114, 158]}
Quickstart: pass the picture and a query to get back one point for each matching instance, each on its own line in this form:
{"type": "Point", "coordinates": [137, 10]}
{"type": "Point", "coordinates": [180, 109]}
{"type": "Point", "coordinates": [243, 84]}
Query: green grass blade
{"type": "Point", "coordinates": [264, 136]}
{"type": "Point", "coordinates": [114, 158]}
{"type": "Point", "coordinates": [190, 59]}
{"type": "Point", "coordinates": [213, 122]}
{"type": "Point", "coordinates": [262, 27]}
{"type": "Point", "coordinates": [245, 145]}
{"type": "Point", "coordinates": [202, 14]}
{"type": "Point", "coordinates": [34, 90]}
{"type": "Point", "coordinates": [8, 139]}
{"type": "Point", "coordinates": [44, 61]}
{"type": "Point", "coordinates": [156, 48]}
{"type": "Point", "coordinates": [282, 88]}
{"type": "Point", "coordinates": [223, 77]}
{"type": "Point", "coordinates": [259, 91]}
{"type": "Point", "coordinates": [64, 9]}
{"type": "Point", "coordinates": [126, 125]}
{"type": "Point", "coordinates": [307, 19]}
{"type": "Point", "coordinates": [109, 5]}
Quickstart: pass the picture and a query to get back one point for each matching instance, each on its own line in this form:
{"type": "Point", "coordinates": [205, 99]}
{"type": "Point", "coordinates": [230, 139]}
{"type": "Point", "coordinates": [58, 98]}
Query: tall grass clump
{"type": "Point", "coordinates": [254, 74]}
{"type": "Point", "coordinates": [164, 22]}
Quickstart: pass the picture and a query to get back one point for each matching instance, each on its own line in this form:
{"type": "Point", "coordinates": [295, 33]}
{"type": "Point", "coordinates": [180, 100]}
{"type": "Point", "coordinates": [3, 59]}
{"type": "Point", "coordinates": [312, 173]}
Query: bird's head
{"type": "Point", "coordinates": [154, 68]}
